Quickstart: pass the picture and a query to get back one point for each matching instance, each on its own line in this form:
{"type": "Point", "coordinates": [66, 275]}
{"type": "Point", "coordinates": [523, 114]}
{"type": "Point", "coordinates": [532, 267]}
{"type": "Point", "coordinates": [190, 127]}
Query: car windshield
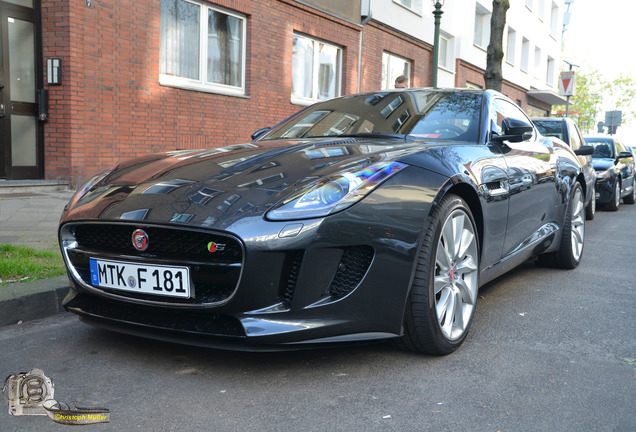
{"type": "Point", "coordinates": [550, 128]}
{"type": "Point", "coordinates": [417, 113]}
{"type": "Point", "coordinates": [603, 148]}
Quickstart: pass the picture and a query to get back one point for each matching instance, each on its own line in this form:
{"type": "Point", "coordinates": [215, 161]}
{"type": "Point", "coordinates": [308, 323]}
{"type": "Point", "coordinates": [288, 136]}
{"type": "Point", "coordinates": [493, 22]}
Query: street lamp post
{"type": "Point", "coordinates": [438, 16]}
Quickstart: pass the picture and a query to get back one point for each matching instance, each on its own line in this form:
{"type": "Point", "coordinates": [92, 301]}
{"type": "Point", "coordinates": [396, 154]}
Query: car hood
{"type": "Point", "coordinates": [216, 187]}
{"type": "Point", "coordinates": [602, 164]}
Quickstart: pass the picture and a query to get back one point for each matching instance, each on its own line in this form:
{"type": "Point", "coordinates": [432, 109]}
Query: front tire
{"type": "Point", "coordinates": [443, 295]}
{"type": "Point", "coordinates": [615, 202]}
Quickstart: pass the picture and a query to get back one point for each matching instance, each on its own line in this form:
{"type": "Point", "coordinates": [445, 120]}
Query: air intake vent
{"type": "Point", "coordinates": [353, 266]}
{"type": "Point", "coordinates": [289, 278]}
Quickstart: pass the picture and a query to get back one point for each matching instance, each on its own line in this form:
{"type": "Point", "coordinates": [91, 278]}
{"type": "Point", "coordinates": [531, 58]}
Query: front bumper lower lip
{"type": "Point", "coordinates": [237, 334]}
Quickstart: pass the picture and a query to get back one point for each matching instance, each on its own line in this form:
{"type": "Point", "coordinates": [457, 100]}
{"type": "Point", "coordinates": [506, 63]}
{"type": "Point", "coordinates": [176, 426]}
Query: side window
{"type": "Point", "coordinates": [619, 147]}
{"type": "Point", "coordinates": [575, 136]}
{"type": "Point", "coordinates": [502, 109]}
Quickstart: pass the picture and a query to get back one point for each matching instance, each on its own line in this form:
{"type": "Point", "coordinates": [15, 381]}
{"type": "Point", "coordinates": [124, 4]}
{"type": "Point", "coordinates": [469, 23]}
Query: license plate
{"type": "Point", "coordinates": [171, 281]}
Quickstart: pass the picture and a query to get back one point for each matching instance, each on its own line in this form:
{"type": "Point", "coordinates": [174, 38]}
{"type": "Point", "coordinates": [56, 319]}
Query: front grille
{"type": "Point", "coordinates": [166, 243]}
{"type": "Point", "coordinates": [353, 266]}
{"type": "Point", "coordinates": [215, 275]}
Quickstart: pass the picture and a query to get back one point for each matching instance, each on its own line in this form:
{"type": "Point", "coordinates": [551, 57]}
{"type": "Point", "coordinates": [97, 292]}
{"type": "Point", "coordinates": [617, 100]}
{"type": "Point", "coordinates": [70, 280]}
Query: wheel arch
{"type": "Point", "coordinates": [469, 194]}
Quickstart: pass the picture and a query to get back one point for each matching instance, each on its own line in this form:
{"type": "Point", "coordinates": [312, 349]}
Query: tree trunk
{"type": "Point", "coordinates": [494, 57]}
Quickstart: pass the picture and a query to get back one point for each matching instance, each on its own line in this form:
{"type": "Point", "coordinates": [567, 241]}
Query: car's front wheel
{"type": "Point", "coordinates": [443, 295]}
{"type": "Point", "coordinates": [615, 202]}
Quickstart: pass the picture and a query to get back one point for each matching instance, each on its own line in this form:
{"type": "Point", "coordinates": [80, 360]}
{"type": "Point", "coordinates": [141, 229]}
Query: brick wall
{"type": "Point", "coordinates": [110, 106]}
{"type": "Point", "coordinates": [376, 39]}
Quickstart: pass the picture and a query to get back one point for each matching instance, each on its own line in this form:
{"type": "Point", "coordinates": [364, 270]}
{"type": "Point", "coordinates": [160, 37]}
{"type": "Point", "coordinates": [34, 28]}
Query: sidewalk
{"type": "Point", "coordinates": [29, 216]}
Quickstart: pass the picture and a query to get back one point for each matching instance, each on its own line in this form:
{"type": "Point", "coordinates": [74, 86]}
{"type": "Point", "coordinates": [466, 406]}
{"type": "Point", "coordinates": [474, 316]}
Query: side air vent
{"type": "Point", "coordinates": [353, 266]}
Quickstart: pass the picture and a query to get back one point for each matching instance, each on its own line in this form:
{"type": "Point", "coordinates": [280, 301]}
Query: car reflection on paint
{"type": "Point", "coordinates": [367, 217]}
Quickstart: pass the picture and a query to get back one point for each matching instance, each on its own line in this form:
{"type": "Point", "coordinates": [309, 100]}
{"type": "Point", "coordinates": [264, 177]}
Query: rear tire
{"type": "Point", "coordinates": [631, 198]}
{"type": "Point", "coordinates": [442, 299]}
{"type": "Point", "coordinates": [573, 237]}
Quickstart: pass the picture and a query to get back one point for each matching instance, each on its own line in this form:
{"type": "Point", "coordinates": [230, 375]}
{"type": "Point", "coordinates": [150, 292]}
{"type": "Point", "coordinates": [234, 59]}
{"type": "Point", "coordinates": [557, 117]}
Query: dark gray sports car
{"type": "Point", "coordinates": [372, 216]}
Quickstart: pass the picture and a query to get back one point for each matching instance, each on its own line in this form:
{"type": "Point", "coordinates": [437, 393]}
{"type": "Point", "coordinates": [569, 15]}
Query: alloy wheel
{"type": "Point", "coordinates": [455, 281]}
{"type": "Point", "coordinates": [578, 224]}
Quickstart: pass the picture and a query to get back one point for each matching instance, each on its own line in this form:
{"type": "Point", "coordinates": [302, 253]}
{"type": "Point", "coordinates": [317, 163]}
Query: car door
{"type": "Point", "coordinates": [626, 167]}
{"type": "Point", "coordinates": [576, 141]}
{"type": "Point", "coordinates": [531, 165]}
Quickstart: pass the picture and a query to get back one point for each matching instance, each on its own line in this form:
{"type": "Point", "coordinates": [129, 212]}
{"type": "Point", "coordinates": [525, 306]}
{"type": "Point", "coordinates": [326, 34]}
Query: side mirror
{"type": "Point", "coordinates": [514, 131]}
{"type": "Point", "coordinates": [625, 154]}
{"type": "Point", "coordinates": [259, 133]}
{"type": "Point", "coordinates": [585, 150]}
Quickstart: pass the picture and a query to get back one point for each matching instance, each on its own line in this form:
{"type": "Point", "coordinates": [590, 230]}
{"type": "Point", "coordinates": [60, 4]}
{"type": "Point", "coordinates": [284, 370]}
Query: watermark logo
{"type": "Point", "coordinates": [31, 393]}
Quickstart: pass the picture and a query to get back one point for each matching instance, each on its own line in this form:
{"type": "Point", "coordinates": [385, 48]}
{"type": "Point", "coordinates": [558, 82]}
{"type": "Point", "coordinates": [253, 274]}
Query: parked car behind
{"type": "Point", "coordinates": [567, 131]}
{"type": "Point", "coordinates": [614, 164]}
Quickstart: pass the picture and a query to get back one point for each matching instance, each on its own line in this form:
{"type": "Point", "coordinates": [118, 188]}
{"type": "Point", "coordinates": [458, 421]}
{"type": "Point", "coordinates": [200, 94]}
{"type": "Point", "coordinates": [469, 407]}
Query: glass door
{"type": "Point", "coordinates": [20, 131]}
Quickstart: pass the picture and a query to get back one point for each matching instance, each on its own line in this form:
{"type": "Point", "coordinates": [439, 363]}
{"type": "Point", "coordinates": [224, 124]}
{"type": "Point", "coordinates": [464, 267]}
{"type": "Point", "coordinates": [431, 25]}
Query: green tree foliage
{"type": "Point", "coordinates": [595, 94]}
{"type": "Point", "coordinates": [622, 91]}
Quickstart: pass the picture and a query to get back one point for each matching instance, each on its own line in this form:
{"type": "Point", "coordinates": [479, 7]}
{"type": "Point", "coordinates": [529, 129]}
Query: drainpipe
{"type": "Point", "coordinates": [362, 23]}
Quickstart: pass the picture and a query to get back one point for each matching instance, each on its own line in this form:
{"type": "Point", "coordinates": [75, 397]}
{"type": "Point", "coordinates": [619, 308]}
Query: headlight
{"type": "Point", "coordinates": [601, 175]}
{"type": "Point", "coordinates": [334, 193]}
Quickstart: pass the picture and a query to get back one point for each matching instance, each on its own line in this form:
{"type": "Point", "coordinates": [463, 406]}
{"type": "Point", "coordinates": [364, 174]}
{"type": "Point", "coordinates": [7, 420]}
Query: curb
{"type": "Point", "coordinates": [32, 300]}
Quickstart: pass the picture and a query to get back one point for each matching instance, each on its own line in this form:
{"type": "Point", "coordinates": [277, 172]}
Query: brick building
{"type": "Point", "coordinates": [87, 83]}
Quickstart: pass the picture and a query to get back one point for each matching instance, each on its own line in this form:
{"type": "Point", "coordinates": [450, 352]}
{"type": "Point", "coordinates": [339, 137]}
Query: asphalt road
{"type": "Point", "coordinates": [549, 350]}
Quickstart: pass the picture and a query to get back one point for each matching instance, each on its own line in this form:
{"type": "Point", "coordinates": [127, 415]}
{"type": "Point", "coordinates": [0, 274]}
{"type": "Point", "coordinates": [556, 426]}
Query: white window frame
{"type": "Point", "coordinates": [201, 84]}
{"type": "Point", "coordinates": [549, 76]}
{"type": "Point", "coordinates": [554, 19]}
{"type": "Point", "coordinates": [414, 6]}
{"type": "Point", "coordinates": [299, 100]}
{"type": "Point", "coordinates": [525, 55]}
{"type": "Point", "coordinates": [447, 57]}
{"type": "Point", "coordinates": [511, 46]}
{"type": "Point", "coordinates": [388, 79]}
{"type": "Point", "coordinates": [538, 61]}
{"type": "Point", "coordinates": [482, 23]}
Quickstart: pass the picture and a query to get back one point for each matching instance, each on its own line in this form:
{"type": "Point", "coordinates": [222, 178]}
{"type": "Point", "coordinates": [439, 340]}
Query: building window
{"type": "Point", "coordinates": [414, 5]}
{"type": "Point", "coordinates": [316, 70]}
{"type": "Point", "coordinates": [392, 67]}
{"type": "Point", "coordinates": [541, 9]}
{"type": "Point", "coordinates": [534, 111]}
{"type": "Point", "coordinates": [529, 4]}
{"type": "Point", "coordinates": [525, 54]}
{"type": "Point", "coordinates": [537, 62]}
{"type": "Point", "coordinates": [549, 76]}
{"type": "Point", "coordinates": [482, 27]}
{"type": "Point", "coordinates": [201, 47]}
{"type": "Point", "coordinates": [554, 19]}
{"type": "Point", "coordinates": [447, 52]}
{"type": "Point", "coordinates": [511, 46]}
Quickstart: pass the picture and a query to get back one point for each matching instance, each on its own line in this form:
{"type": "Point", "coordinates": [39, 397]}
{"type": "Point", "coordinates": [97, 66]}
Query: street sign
{"type": "Point", "coordinates": [613, 118]}
{"type": "Point", "coordinates": [567, 83]}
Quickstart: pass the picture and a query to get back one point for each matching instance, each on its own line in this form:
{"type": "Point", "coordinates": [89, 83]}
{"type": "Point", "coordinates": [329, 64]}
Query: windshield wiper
{"type": "Point", "coordinates": [373, 135]}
